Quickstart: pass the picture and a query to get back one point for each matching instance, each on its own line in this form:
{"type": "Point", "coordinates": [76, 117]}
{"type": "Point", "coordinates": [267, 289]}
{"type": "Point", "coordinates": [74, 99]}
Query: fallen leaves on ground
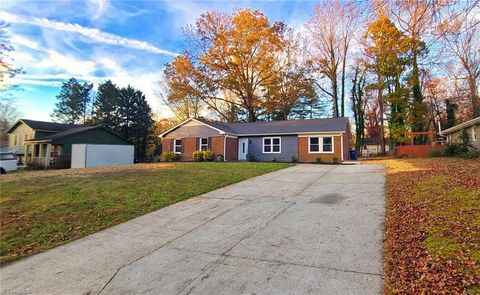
{"type": "Point", "coordinates": [432, 242]}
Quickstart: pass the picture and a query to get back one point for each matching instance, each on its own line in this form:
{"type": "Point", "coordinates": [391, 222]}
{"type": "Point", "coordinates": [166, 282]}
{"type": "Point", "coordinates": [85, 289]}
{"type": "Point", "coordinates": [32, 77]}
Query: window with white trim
{"type": "Point", "coordinates": [204, 143]}
{"type": "Point", "coordinates": [319, 144]}
{"type": "Point", "coordinates": [272, 145]}
{"type": "Point", "coordinates": [327, 144]}
{"type": "Point", "coordinates": [474, 133]}
{"type": "Point", "coordinates": [177, 146]}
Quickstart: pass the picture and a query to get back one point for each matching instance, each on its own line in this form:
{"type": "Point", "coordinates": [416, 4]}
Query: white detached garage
{"type": "Point", "coordinates": [95, 155]}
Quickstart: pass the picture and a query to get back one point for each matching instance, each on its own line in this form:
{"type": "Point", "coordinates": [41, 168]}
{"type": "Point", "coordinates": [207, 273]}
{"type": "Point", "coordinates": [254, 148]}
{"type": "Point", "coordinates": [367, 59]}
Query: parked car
{"type": "Point", "coordinates": [8, 162]}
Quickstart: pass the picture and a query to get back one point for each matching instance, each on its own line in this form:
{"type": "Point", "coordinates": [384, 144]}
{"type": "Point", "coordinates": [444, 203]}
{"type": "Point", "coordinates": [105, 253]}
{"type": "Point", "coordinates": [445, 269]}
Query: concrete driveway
{"type": "Point", "coordinates": [307, 229]}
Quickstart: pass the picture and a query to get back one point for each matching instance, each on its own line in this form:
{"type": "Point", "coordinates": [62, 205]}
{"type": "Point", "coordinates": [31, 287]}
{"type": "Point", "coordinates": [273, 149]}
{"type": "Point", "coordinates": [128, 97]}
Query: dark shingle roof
{"type": "Point", "coordinates": [285, 127]}
{"type": "Point", "coordinates": [74, 131]}
{"type": "Point", "coordinates": [45, 126]}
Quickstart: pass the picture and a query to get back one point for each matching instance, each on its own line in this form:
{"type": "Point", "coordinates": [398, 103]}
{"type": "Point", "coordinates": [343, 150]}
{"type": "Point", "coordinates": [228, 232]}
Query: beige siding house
{"type": "Point", "coordinates": [472, 127]}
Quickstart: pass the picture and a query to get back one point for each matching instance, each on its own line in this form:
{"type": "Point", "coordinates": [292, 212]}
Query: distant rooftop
{"type": "Point", "coordinates": [45, 126]}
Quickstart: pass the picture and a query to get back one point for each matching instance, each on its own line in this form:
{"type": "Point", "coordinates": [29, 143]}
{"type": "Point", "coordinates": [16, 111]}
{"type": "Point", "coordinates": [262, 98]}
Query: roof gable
{"type": "Point", "coordinates": [192, 120]}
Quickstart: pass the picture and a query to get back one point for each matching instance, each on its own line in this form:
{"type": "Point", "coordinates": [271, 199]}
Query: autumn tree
{"type": "Point", "coordinates": [73, 102]}
{"type": "Point", "coordinates": [330, 33]}
{"type": "Point", "coordinates": [416, 18]}
{"type": "Point", "coordinates": [182, 88]}
{"type": "Point", "coordinates": [289, 84]}
{"type": "Point", "coordinates": [460, 31]}
{"type": "Point", "coordinates": [386, 48]}
{"type": "Point", "coordinates": [237, 53]}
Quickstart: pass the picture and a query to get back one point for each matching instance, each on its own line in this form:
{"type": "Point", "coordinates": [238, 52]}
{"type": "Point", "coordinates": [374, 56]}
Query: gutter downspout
{"type": "Point", "coordinates": [341, 141]}
{"type": "Point", "coordinates": [225, 148]}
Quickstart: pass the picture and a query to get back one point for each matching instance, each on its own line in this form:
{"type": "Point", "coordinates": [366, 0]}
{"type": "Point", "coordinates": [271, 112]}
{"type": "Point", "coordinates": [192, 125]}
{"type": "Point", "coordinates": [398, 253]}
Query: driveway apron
{"type": "Point", "coordinates": [313, 229]}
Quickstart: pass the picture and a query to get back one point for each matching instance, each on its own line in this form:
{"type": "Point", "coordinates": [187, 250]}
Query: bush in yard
{"type": "Point", "coordinates": [250, 157]}
{"type": "Point", "coordinates": [318, 160]}
{"type": "Point", "coordinates": [207, 155]}
{"type": "Point", "coordinates": [169, 157]}
{"type": "Point", "coordinates": [435, 153]}
{"type": "Point", "coordinates": [452, 149]}
{"type": "Point", "coordinates": [294, 159]}
{"type": "Point", "coordinates": [335, 160]}
{"type": "Point", "coordinates": [471, 153]}
{"type": "Point", "coordinates": [197, 156]}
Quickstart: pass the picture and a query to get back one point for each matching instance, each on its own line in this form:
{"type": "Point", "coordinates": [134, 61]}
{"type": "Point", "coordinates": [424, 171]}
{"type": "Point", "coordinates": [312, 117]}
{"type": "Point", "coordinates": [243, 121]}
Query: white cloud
{"type": "Point", "coordinates": [19, 40]}
{"type": "Point", "coordinates": [98, 7]}
{"type": "Point", "coordinates": [90, 33]}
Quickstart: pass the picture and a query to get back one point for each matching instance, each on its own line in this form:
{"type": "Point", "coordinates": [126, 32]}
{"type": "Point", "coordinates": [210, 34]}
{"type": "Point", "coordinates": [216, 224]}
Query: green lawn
{"type": "Point", "coordinates": [43, 209]}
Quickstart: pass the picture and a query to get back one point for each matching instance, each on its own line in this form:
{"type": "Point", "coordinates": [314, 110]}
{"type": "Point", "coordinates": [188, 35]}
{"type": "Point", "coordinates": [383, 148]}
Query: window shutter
{"type": "Point", "coordinates": [182, 145]}
{"type": "Point", "coordinates": [210, 143]}
{"type": "Point", "coordinates": [197, 143]}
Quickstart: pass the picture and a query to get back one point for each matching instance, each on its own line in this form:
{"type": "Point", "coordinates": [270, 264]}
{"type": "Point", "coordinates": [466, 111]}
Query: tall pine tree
{"type": "Point", "coordinates": [106, 106]}
{"type": "Point", "coordinates": [135, 119]}
{"type": "Point", "coordinates": [73, 101]}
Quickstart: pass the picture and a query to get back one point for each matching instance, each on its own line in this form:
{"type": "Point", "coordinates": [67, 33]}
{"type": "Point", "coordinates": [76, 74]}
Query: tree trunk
{"type": "Point", "coordinates": [251, 115]}
{"type": "Point", "coordinates": [343, 86]}
{"type": "Point", "coordinates": [474, 96]}
{"type": "Point", "coordinates": [418, 112]}
{"type": "Point", "coordinates": [380, 104]}
{"type": "Point", "coordinates": [335, 97]}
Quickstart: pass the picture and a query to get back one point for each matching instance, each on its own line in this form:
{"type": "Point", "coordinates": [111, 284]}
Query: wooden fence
{"type": "Point", "coordinates": [417, 151]}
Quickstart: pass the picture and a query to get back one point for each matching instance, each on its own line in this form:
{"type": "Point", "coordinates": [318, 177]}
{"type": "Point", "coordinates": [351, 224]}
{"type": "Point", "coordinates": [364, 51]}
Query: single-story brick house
{"type": "Point", "coordinates": [471, 126]}
{"type": "Point", "coordinates": [304, 140]}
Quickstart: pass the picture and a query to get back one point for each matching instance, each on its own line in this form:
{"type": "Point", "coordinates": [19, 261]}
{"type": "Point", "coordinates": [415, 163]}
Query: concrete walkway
{"type": "Point", "coordinates": [307, 229]}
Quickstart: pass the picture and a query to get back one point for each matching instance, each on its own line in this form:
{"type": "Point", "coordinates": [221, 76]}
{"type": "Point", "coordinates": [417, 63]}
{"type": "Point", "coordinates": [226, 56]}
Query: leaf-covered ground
{"type": "Point", "coordinates": [432, 242]}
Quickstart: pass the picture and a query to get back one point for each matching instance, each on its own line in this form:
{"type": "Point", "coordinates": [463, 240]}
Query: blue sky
{"type": "Point", "coordinates": [126, 41]}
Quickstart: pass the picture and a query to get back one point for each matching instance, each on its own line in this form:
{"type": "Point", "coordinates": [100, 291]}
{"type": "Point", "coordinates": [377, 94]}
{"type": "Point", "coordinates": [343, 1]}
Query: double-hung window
{"type": "Point", "coordinates": [204, 143]}
{"type": "Point", "coordinates": [177, 146]}
{"type": "Point", "coordinates": [272, 145]}
{"type": "Point", "coordinates": [320, 144]}
{"type": "Point", "coordinates": [474, 133]}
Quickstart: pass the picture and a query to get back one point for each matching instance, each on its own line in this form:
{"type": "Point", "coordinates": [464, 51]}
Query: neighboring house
{"type": "Point", "coordinates": [304, 140]}
{"type": "Point", "coordinates": [472, 127]}
{"type": "Point", "coordinates": [47, 143]}
{"type": "Point", "coordinates": [372, 146]}
{"type": "Point", "coordinates": [25, 130]}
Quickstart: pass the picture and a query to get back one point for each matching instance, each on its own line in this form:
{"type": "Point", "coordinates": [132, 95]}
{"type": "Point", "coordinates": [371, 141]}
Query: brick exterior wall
{"type": "Point", "coordinates": [217, 145]}
{"type": "Point", "coordinates": [167, 145]}
{"type": "Point", "coordinates": [189, 145]}
{"type": "Point", "coordinates": [305, 156]}
{"type": "Point", "coordinates": [232, 149]}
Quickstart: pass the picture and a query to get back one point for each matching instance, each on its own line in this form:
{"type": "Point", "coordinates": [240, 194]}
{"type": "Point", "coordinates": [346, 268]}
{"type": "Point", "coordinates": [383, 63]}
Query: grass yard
{"type": "Point", "coordinates": [43, 209]}
{"type": "Point", "coordinates": [432, 242]}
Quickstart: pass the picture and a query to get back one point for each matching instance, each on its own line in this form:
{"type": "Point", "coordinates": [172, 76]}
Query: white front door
{"type": "Point", "coordinates": [242, 148]}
